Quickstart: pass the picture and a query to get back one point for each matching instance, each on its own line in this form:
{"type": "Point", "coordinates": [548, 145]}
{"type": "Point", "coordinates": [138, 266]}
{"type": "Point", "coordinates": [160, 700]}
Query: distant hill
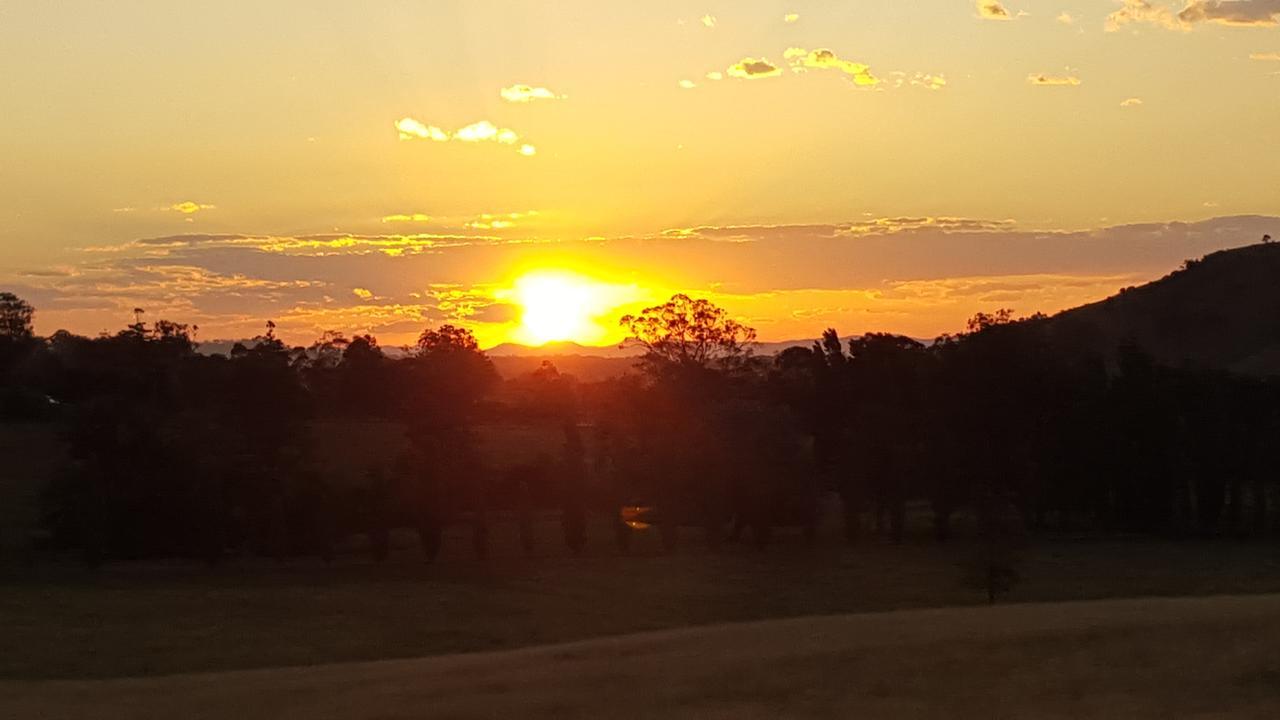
{"type": "Point", "coordinates": [1221, 311]}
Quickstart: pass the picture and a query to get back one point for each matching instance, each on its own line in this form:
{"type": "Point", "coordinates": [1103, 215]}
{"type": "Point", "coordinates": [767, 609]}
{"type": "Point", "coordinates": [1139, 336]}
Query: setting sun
{"type": "Point", "coordinates": [559, 305]}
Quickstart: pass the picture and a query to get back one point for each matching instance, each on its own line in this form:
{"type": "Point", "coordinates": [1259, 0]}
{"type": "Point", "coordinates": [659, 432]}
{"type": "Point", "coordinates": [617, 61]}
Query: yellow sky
{"type": "Point", "coordinates": [381, 166]}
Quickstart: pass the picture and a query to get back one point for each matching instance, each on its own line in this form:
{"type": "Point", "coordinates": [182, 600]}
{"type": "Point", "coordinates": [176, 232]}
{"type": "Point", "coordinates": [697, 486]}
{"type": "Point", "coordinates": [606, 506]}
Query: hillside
{"type": "Point", "coordinates": [1220, 311]}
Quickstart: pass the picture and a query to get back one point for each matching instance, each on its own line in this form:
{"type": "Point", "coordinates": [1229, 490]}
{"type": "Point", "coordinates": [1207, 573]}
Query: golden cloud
{"type": "Point", "coordinates": [1131, 102]}
{"type": "Point", "coordinates": [1053, 80]}
{"type": "Point", "coordinates": [1269, 57]}
{"type": "Point", "coordinates": [790, 18]}
{"type": "Point", "coordinates": [528, 93]}
{"type": "Point", "coordinates": [824, 59]}
{"type": "Point", "coordinates": [992, 10]}
{"type": "Point", "coordinates": [752, 68]}
{"type": "Point", "coordinates": [362, 293]}
{"type": "Point", "coordinates": [409, 217]}
{"type": "Point", "coordinates": [189, 208]}
{"type": "Point", "coordinates": [1066, 18]}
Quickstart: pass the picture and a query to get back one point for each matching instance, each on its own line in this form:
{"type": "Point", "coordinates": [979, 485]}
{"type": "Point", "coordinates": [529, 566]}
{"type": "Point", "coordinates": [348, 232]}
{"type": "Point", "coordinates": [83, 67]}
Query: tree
{"type": "Point", "coordinates": [15, 317]}
{"type": "Point", "coordinates": [685, 332]}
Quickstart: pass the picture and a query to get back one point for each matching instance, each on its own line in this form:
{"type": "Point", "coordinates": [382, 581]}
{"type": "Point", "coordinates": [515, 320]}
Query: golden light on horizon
{"type": "Point", "coordinates": [557, 305]}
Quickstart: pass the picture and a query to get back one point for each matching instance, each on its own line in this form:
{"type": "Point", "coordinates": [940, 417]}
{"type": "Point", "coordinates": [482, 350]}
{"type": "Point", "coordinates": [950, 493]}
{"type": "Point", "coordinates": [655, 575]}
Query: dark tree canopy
{"type": "Point", "coordinates": [15, 317]}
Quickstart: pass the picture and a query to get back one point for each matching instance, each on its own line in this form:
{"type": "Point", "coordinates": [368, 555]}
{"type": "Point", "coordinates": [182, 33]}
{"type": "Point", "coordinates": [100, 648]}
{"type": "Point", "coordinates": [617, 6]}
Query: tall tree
{"type": "Point", "coordinates": [15, 317]}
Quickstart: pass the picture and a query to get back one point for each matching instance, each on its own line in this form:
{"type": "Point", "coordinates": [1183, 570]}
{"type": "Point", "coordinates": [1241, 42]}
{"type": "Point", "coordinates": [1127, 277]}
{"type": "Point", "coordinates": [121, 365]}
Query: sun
{"type": "Point", "coordinates": [558, 305]}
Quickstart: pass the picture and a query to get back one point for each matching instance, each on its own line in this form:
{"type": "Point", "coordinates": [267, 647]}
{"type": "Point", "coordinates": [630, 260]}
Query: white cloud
{"type": "Point", "coordinates": [790, 18]}
{"type": "Point", "coordinates": [1131, 102]}
{"type": "Point", "coordinates": [528, 93]}
{"type": "Point", "coordinates": [482, 131]}
{"type": "Point", "coordinates": [709, 20]}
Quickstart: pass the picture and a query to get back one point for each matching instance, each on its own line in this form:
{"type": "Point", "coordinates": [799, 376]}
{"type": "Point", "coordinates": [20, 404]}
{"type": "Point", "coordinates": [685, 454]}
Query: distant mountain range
{"type": "Point", "coordinates": [1220, 311]}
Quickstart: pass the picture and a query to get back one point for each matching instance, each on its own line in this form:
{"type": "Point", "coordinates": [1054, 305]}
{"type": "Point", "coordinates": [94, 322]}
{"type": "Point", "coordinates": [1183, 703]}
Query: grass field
{"type": "Point", "coordinates": [131, 620]}
{"type": "Point", "coordinates": [1206, 657]}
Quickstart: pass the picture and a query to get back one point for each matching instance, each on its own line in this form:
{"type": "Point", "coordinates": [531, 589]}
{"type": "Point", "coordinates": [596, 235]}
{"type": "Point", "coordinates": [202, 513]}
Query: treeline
{"type": "Point", "coordinates": [175, 453]}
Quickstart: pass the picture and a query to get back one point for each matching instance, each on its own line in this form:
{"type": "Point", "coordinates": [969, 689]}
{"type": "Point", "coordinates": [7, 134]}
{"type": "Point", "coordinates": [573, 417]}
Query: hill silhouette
{"type": "Point", "coordinates": [1222, 311]}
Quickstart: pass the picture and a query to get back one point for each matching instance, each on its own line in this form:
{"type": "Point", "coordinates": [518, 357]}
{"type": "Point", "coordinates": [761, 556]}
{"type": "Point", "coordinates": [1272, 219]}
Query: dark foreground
{"type": "Point", "coordinates": [63, 622]}
{"type": "Point", "coordinates": [1188, 657]}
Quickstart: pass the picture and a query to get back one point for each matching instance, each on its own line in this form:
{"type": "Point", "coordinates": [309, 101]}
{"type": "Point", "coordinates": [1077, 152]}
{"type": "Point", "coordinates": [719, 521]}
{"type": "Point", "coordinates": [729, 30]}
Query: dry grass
{"type": "Point", "coordinates": [1205, 657]}
{"type": "Point", "coordinates": [130, 620]}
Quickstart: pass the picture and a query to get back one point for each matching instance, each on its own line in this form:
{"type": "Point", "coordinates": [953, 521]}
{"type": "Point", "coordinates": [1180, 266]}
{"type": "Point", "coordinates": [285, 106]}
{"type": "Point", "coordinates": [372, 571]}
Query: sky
{"type": "Point", "coordinates": [534, 170]}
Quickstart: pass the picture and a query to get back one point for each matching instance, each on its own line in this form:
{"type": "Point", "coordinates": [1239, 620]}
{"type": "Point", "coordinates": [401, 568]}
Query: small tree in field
{"type": "Point", "coordinates": [685, 332]}
{"type": "Point", "coordinates": [995, 567]}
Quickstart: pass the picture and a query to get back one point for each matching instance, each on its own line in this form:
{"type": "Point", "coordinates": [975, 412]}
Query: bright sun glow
{"type": "Point", "coordinates": [558, 305]}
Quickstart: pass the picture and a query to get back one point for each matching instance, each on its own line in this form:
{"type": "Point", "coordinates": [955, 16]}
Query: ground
{"type": "Point", "coordinates": [149, 619]}
{"type": "Point", "coordinates": [1150, 658]}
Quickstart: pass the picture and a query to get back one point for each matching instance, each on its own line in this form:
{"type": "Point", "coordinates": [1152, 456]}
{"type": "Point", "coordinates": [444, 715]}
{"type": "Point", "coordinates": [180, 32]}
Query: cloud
{"type": "Point", "coordinates": [688, 84]}
{"type": "Point", "coordinates": [1232, 12]}
{"type": "Point", "coordinates": [1053, 80]}
{"type": "Point", "coordinates": [709, 20]}
{"type": "Point", "coordinates": [992, 10]}
{"type": "Point", "coordinates": [362, 293]}
{"type": "Point", "coordinates": [929, 82]}
{"type": "Point", "coordinates": [411, 129]}
{"type": "Point", "coordinates": [752, 68]}
{"type": "Point", "coordinates": [824, 59]}
{"type": "Point", "coordinates": [1247, 13]}
{"type": "Point", "coordinates": [1142, 11]}
{"type": "Point", "coordinates": [410, 217]}
{"type": "Point", "coordinates": [715, 75]}
{"type": "Point", "coordinates": [527, 93]}
{"type": "Point", "coordinates": [1066, 18]}
{"type": "Point", "coordinates": [1266, 57]}
{"type": "Point", "coordinates": [482, 131]}
{"type": "Point", "coordinates": [188, 207]}
{"type": "Point", "coordinates": [499, 221]}
{"type": "Point", "coordinates": [790, 18]}
{"type": "Point", "coordinates": [1131, 102]}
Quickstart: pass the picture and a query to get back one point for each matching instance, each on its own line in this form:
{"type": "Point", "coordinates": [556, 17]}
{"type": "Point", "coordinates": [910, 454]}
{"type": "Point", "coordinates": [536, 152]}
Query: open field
{"type": "Point", "coordinates": [130, 620]}
{"type": "Point", "coordinates": [1203, 657]}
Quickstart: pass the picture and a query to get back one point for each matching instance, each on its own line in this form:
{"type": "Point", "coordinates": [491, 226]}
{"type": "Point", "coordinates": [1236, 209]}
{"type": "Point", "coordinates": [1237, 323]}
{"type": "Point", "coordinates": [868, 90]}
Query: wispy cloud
{"type": "Point", "coordinates": [992, 10]}
{"type": "Point", "coordinates": [1130, 102]}
{"type": "Point", "coordinates": [791, 18]}
{"type": "Point", "coordinates": [709, 21]}
{"type": "Point", "coordinates": [408, 217]}
{"type": "Point", "coordinates": [1044, 79]}
{"type": "Point", "coordinates": [187, 207]}
{"type": "Point", "coordinates": [362, 293]}
{"type": "Point", "coordinates": [1142, 11]}
{"type": "Point", "coordinates": [1066, 18]}
{"type": "Point", "coordinates": [499, 221]}
{"type": "Point", "coordinates": [477, 132]}
{"type": "Point", "coordinates": [1265, 56]}
{"type": "Point", "coordinates": [528, 93]}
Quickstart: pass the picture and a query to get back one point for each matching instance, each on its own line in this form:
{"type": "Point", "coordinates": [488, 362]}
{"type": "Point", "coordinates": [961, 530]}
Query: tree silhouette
{"type": "Point", "coordinates": [16, 315]}
{"type": "Point", "coordinates": [684, 332]}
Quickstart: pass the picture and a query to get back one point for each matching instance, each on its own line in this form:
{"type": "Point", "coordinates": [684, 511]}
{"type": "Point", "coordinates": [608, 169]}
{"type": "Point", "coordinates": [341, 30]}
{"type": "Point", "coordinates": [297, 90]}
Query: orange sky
{"type": "Point", "coordinates": [872, 166]}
